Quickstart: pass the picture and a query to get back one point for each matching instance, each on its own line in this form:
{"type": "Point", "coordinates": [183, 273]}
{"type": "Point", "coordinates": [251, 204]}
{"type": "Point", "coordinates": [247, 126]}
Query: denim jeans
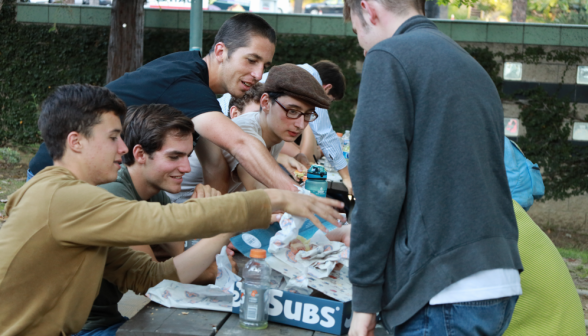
{"type": "Point", "coordinates": [110, 331]}
{"type": "Point", "coordinates": [487, 317]}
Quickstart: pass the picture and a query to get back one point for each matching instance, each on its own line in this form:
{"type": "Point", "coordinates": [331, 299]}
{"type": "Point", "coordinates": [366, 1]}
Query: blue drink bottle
{"type": "Point", "coordinates": [316, 181]}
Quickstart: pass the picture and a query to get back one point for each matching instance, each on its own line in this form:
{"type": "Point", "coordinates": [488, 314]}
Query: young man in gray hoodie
{"type": "Point", "coordinates": [434, 240]}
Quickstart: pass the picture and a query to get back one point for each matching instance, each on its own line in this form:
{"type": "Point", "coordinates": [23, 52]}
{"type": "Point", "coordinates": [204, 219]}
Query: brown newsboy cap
{"type": "Point", "coordinates": [298, 83]}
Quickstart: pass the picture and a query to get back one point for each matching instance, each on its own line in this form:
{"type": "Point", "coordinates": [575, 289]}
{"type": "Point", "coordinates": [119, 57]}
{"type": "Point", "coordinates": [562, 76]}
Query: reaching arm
{"type": "Point", "coordinates": [248, 181]}
{"type": "Point", "coordinates": [308, 145]}
{"type": "Point", "coordinates": [346, 179]}
{"type": "Point", "coordinates": [290, 148]}
{"type": "Point", "coordinates": [198, 258]}
{"type": "Point", "coordinates": [129, 269]}
{"type": "Point", "coordinates": [328, 140]}
{"type": "Point", "coordinates": [384, 116]}
{"type": "Point", "coordinates": [251, 153]}
{"type": "Point", "coordinates": [215, 170]}
{"type": "Point", "coordinates": [99, 218]}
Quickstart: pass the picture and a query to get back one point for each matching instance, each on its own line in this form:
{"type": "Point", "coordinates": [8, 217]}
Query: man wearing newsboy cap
{"type": "Point", "coordinates": [288, 104]}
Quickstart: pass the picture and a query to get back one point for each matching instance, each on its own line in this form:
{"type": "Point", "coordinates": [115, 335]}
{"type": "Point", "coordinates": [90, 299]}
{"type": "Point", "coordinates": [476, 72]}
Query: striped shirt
{"type": "Point", "coordinates": [323, 131]}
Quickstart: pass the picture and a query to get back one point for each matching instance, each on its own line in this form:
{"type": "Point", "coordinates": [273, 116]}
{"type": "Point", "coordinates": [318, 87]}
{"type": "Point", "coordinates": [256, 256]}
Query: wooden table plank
{"type": "Point", "coordinates": [157, 320]}
{"type": "Point", "coordinates": [380, 331]}
{"type": "Point", "coordinates": [232, 328]}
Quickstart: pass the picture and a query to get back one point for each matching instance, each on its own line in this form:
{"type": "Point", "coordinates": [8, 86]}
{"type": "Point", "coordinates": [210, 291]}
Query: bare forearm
{"type": "Point", "coordinates": [248, 181]}
{"type": "Point", "coordinates": [258, 162]}
{"type": "Point", "coordinates": [196, 259]}
{"type": "Point", "coordinates": [215, 170]}
{"type": "Point", "coordinates": [344, 173]}
{"type": "Point", "coordinates": [290, 149]}
{"type": "Point", "coordinates": [173, 249]}
{"type": "Point", "coordinates": [308, 144]}
{"type": "Point", "coordinates": [250, 152]}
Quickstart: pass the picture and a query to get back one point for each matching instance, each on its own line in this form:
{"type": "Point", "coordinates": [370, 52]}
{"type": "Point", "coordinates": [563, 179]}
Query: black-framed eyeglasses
{"type": "Point", "coordinates": [294, 114]}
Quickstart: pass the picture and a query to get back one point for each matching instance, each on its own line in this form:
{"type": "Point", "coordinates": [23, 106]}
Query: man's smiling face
{"type": "Point", "coordinates": [246, 65]}
{"type": "Point", "coordinates": [165, 168]}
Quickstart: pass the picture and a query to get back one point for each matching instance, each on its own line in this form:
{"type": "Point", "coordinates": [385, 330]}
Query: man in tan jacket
{"type": "Point", "coordinates": [63, 234]}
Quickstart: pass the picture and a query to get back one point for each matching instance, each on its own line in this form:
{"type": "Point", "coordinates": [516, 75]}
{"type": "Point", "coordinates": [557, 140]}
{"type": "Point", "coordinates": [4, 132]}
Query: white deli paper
{"type": "Point", "coordinates": [225, 278]}
{"type": "Point", "coordinates": [336, 285]}
{"type": "Point", "coordinates": [324, 255]}
{"type": "Point", "coordinates": [219, 296]}
{"type": "Point", "coordinates": [280, 247]}
{"type": "Point", "coordinates": [173, 294]}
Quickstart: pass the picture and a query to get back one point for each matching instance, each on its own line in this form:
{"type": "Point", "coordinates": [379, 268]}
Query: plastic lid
{"type": "Point", "coordinates": [257, 253]}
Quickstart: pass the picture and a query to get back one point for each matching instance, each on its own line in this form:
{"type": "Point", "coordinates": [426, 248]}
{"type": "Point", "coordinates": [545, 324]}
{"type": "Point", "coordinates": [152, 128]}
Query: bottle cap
{"type": "Point", "coordinates": [316, 172]}
{"type": "Point", "coordinates": [257, 253]}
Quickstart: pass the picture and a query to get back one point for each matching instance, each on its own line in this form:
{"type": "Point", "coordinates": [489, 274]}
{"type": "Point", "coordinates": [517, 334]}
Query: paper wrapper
{"type": "Point", "coordinates": [219, 296]}
{"type": "Point", "coordinates": [173, 294]}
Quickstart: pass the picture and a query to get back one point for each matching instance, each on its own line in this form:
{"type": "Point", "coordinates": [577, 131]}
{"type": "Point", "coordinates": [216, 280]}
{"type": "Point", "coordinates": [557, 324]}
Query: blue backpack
{"type": "Point", "coordinates": [524, 176]}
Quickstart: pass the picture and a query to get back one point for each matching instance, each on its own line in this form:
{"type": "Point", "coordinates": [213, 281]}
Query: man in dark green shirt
{"type": "Point", "coordinates": [160, 139]}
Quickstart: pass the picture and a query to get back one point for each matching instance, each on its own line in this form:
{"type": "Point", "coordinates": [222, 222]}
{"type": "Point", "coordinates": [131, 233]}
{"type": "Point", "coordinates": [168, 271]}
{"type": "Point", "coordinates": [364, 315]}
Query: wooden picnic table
{"type": "Point", "coordinates": [157, 320]}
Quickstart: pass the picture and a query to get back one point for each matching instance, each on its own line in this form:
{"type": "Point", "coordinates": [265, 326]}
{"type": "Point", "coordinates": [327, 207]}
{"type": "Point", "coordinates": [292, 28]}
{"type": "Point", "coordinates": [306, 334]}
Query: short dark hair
{"type": "Point", "coordinates": [253, 95]}
{"type": "Point", "coordinates": [148, 125]}
{"type": "Point", "coordinates": [75, 108]}
{"type": "Point", "coordinates": [331, 74]}
{"type": "Point", "coordinates": [275, 95]}
{"type": "Point", "coordinates": [237, 31]}
{"type": "Point", "coordinates": [396, 6]}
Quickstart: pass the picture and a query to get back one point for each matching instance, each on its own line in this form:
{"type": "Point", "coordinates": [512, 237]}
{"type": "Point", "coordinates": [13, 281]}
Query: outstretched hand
{"type": "Point", "coordinates": [306, 206]}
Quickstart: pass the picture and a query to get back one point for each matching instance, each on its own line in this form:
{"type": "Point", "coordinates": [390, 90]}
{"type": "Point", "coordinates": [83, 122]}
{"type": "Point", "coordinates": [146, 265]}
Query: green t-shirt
{"type": "Point", "coordinates": [104, 311]}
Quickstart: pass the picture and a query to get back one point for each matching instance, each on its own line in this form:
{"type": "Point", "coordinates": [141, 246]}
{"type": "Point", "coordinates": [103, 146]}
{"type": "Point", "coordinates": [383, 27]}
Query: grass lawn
{"type": "Point", "coordinates": [7, 187]}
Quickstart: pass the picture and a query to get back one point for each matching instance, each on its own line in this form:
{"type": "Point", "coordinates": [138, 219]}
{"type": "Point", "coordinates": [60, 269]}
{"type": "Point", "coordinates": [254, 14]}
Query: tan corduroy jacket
{"type": "Point", "coordinates": [63, 235]}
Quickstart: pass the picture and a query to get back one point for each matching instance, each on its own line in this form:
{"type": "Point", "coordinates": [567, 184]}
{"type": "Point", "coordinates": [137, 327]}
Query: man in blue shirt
{"type": "Point", "coordinates": [243, 47]}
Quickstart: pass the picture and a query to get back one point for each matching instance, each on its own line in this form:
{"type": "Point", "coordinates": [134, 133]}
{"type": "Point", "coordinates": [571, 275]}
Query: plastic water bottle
{"type": "Point", "coordinates": [256, 284]}
{"type": "Point", "coordinates": [316, 180]}
{"type": "Point", "coordinates": [346, 144]}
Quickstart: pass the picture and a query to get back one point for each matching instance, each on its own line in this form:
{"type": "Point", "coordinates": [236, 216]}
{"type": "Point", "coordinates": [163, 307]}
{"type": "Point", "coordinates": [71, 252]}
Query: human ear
{"type": "Point", "coordinates": [219, 51]}
{"type": "Point", "coordinates": [74, 142]}
{"type": "Point", "coordinates": [327, 88]}
{"type": "Point", "coordinates": [264, 102]}
{"type": "Point", "coordinates": [234, 112]}
{"type": "Point", "coordinates": [369, 11]}
{"type": "Point", "coordinates": [139, 154]}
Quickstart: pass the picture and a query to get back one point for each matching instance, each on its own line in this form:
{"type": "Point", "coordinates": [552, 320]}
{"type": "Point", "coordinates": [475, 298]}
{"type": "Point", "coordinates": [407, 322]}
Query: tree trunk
{"type": "Point", "coordinates": [519, 11]}
{"type": "Point", "coordinates": [125, 47]}
{"type": "Point", "coordinates": [444, 12]}
{"type": "Point", "coordinates": [298, 6]}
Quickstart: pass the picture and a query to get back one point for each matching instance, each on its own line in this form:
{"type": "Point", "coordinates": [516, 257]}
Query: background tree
{"type": "Point", "coordinates": [519, 11]}
{"type": "Point", "coordinates": [125, 46]}
{"type": "Point", "coordinates": [298, 6]}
